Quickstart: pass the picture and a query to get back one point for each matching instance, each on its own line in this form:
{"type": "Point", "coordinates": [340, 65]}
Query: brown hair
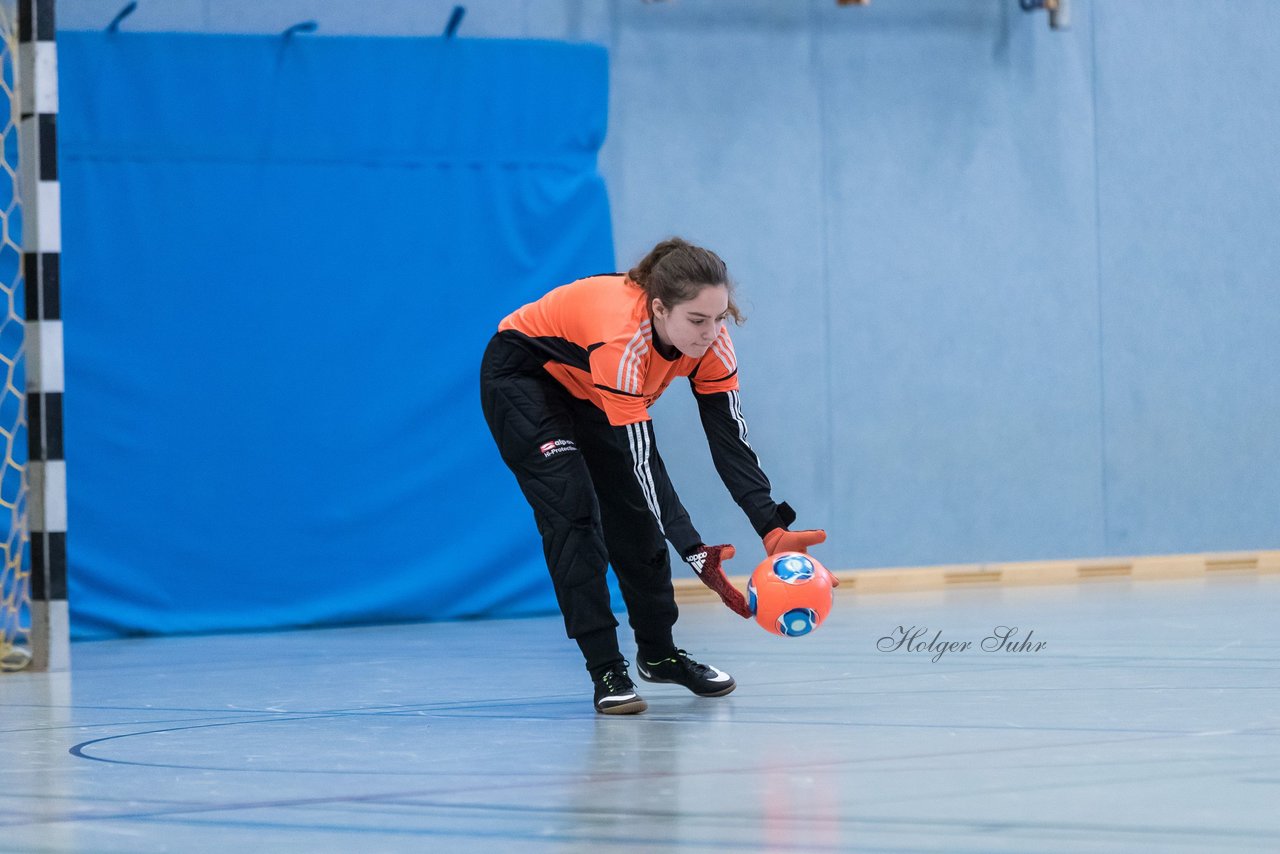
{"type": "Point", "coordinates": [675, 271]}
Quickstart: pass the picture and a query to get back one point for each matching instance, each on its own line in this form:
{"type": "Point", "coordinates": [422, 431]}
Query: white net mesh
{"type": "Point", "coordinates": [15, 574]}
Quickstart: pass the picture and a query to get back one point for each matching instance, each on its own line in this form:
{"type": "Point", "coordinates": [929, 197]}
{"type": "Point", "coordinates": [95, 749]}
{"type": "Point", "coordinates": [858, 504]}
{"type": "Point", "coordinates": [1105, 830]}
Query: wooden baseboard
{"type": "Point", "coordinates": [908, 578]}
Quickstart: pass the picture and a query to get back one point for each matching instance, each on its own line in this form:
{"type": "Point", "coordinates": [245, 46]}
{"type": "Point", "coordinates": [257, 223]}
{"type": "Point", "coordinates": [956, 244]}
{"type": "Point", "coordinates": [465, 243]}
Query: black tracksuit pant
{"type": "Point", "coordinates": [576, 472]}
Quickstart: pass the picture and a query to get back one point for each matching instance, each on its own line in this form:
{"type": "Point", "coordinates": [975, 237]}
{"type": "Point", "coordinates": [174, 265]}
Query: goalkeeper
{"type": "Point", "coordinates": [566, 384]}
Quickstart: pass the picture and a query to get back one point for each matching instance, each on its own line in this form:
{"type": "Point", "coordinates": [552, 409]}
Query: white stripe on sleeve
{"type": "Point", "coordinates": [629, 365]}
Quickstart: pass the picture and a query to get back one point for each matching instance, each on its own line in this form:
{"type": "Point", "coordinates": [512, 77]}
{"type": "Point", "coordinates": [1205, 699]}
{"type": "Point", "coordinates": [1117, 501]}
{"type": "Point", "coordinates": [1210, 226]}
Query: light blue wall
{"type": "Point", "coordinates": [1189, 229]}
{"type": "Point", "coordinates": [907, 200]}
{"type": "Point", "coordinates": [960, 245]}
{"type": "Point", "coordinates": [1010, 288]}
{"type": "Point", "coordinates": [1012, 291]}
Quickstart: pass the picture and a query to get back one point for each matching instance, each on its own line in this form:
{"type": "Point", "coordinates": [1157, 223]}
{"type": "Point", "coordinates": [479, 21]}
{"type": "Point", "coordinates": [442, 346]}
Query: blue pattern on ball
{"type": "Point", "coordinates": [798, 622]}
{"type": "Point", "coordinates": [751, 596]}
{"type": "Point", "coordinates": [793, 569]}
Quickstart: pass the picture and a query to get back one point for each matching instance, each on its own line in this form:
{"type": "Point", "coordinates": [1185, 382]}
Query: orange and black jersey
{"type": "Point", "coordinates": [595, 337]}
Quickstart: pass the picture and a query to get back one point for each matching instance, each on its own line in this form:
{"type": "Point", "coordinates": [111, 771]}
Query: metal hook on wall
{"type": "Point", "coordinates": [300, 27]}
{"type": "Point", "coordinates": [121, 15]}
{"type": "Point", "coordinates": [455, 18]}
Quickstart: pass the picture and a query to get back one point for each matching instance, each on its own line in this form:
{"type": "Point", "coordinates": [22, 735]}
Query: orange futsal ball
{"type": "Point", "coordinates": [790, 593]}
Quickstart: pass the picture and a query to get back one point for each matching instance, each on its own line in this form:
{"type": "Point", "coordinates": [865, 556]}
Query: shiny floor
{"type": "Point", "coordinates": [1148, 720]}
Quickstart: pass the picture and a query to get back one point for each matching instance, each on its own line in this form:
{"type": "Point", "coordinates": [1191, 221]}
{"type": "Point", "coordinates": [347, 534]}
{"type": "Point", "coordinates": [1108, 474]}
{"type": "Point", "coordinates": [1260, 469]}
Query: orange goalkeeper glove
{"type": "Point", "coordinates": [781, 540]}
{"type": "Point", "coordinates": [708, 563]}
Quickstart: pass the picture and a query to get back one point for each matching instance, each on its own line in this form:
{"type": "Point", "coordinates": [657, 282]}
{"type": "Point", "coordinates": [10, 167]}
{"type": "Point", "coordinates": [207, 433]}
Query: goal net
{"type": "Point", "coordinates": [15, 573]}
{"type": "Point", "coordinates": [34, 620]}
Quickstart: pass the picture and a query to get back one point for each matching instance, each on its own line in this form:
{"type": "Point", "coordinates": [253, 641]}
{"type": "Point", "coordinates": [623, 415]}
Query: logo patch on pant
{"type": "Point", "coordinates": [557, 446]}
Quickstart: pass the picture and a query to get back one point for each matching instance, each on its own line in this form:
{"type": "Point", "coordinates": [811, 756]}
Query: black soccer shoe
{"type": "Point", "coordinates": [616, 693]}
{"type": "Point", "coordinates": [702, 679]}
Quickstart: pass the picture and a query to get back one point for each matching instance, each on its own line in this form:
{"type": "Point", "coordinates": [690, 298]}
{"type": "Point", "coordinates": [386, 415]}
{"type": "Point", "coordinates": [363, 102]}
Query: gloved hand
{"type": "Point", "coordinates": [708, 563]}
{"type": "Point", "coordinates": [781, 540]}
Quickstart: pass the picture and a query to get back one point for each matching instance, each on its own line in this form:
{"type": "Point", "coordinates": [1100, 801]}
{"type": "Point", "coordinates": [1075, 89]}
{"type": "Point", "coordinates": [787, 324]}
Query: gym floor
{"type": "Point", "coordinates": [1147, 719]}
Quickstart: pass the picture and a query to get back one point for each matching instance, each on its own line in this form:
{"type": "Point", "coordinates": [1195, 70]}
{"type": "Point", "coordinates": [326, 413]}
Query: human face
{"type": "Point", "coordinates": [691, 326]}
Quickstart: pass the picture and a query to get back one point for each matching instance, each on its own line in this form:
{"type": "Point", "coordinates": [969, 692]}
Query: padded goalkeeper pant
{"type": "Point", "coordinates": [575, 470]}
